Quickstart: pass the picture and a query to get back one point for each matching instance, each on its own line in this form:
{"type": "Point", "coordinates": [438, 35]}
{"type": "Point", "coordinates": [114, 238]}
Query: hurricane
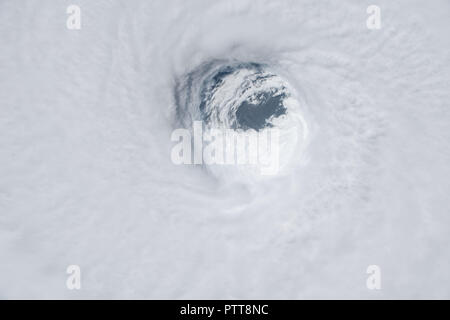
{"type": "Point", "coordinates": [353, 121]}
{"type": "Point", "coordinates": [243, 97]}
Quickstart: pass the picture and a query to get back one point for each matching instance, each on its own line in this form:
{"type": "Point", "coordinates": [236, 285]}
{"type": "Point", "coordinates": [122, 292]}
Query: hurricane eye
{"type": "Point", "coordinates": [244, 98]}
{"type": "Point", "coordinates": [258, 115]}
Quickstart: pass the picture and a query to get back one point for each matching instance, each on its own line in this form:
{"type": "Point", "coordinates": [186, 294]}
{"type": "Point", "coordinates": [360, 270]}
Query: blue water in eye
{"type": "Point", "coordinates": [252, 106]}
{"type": "Point", "coordinates": [256, 116]}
